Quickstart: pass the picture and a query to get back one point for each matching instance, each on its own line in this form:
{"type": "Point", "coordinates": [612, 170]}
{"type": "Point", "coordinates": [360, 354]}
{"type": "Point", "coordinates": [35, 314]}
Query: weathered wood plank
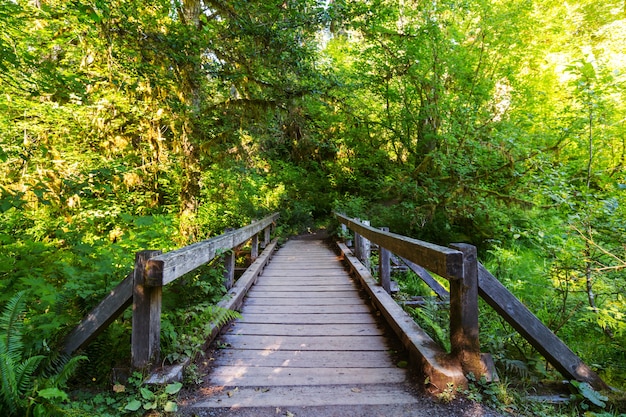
{"type": "Point", "coordinates": [303, 288]}
{"type": "Point", "coordinates": [304, 359]}
{"type": "Point", "coordinates": [303, 294]}
{"type": "Point", "coordinates": [441, 260]}
{"type": "Point", "coordinates": [242, 376]}
{"type": "Point", "coordinates": [533, 330]}
{"type": "Point", "coordinates": [324, 343]}
{"type": "Point", "coordinates": [340, 395]}
{"type": "Point", "coordinates": [169, 266]}
{"type": "Point", "coordinates": [316, 318]}
{"type": "Point", "coordinates": [304, 301]}
{"type": "Point", "coordinates": [303, 330]}
{"type": "Point", "coordinates": [303, 274]}
{"type": "Point", "coordinates": [251, 308]}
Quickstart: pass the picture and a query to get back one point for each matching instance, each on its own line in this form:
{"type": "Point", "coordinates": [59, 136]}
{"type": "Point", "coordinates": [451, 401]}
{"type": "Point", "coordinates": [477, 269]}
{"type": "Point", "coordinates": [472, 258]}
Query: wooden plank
{"type": "Point", "coordinates": [242, 376]}
{"type": "Point", "coordinates": [297, 283]}
{"type": "Point", "coordinates": [313, 396]}
{"type": "Point", "coordinates": [441, 260]}
{"type": "Point", "coordinates": [323, 343]}
{"type": "Point", "coordinates": [303, 288]}
{"type": "Point", "coordinates": [299, 273]}
{"type": "Point", "coordinates": [303, 359]}
{"type": "Point", "coordinates": [533, 330]}
{"type": "Point", "coordinates": [305, 309]}
{"type": "Point", "coordinates": [304, 330]}
{"type": "Point", "coordinates": [254, 293]}
{"type": "Point", "coordinates": [304, 301]}
{"type": "Point", "coordinates": [98, 319]}
{"type": "Point", "coordinates": [167, 267]}
{"type": "Point", "coordinates": [305, 270]}
{"type": "Point", "coordinates": [316, 318]}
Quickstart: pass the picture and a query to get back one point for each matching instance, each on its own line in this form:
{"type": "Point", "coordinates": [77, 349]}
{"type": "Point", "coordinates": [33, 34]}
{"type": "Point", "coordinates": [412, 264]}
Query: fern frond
{"type": "Point", "coordinates": [8, 394]}
{"type": "Point", "coordinates": [25, 373]}
{"type": "Point", "coordinates": [60, 377]}
{"type": "Point", "coordinates": [221, 316]}
{"type": "Point", "coordinates": [11, 327]}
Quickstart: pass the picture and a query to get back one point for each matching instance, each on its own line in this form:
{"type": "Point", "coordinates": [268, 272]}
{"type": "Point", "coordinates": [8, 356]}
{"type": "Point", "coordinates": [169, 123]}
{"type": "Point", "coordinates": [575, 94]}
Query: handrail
{"type": "Point", "coordinates": [143, 288]}
{"type": "Point", "coordinates": [458, 265]}
{"type": "Point", "coordinates": [167, 267]}
{"type": "Point", "coordinates": [469, 279]}
{"type": "Point", "coordinates": [441, 260]}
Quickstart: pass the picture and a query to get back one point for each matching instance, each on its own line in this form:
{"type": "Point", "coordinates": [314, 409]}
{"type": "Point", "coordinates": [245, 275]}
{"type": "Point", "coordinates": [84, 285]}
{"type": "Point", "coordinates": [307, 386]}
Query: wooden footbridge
{"type": "Point", "coordinates": [317, 329]}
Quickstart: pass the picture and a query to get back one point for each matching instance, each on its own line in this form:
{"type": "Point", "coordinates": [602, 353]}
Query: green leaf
{"type": "Point", "coordinates": [170, 407]}
{"type": "Point", "coordinates": [147, 394]}
{"type": "Point", "coordinates": [133, 405]}
{"type": "Point", "coordinates": [53, 393]}
{"type": "Point", "coordinates": [150, 406]}
{"type": "Point", "coordinates": [173, 388]}
{"type": "Point", "coordinates": [590, 394]}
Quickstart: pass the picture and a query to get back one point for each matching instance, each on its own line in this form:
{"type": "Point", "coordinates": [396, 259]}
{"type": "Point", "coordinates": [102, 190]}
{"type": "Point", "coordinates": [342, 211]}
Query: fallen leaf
{"type": "Point", "coordinates": [356, 390]}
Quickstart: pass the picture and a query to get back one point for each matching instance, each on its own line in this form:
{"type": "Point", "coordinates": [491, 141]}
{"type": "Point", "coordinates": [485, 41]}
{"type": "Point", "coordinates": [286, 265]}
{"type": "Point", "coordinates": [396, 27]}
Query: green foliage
{"type": "Point", "coordinates": [135, 398]}
{"type": "Point", "coordinates": [586, 393]}
{"type": "Point", "coordinates": [150, 400]}
{"type": "Point", "coordinates": [435, 321]}
{"type": "Point", "coordinates": [31, 383]}
{"type": "Point", "coordinates": [494, 394]}
{"type": "Point", "coordinates": [197, 321]}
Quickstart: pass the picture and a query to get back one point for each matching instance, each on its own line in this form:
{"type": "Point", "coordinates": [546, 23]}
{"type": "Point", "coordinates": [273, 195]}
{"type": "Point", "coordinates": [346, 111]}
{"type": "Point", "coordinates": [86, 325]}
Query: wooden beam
{"type": "Point", "coordinates": [167, 267]}
{"type": "Point", "coordinates": [532, 329]}
{"type": "Point", "coordinates": [114, 304]}
{"type": "Point", "coordinates": [464, 314]}
{"type": "Point", "coordinates": [443, 261]}
{"type": "Point", "coordinates": [146, 332]}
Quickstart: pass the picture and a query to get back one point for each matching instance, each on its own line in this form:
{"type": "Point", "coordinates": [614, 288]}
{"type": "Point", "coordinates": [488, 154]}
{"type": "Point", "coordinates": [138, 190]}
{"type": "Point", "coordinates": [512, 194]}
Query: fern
{"type": "Point", "coordinates": [11, 327]}
{"type": "Point", "coordinates": [22, 377]}
{"type": "Point", "coordinates": [430, 318]}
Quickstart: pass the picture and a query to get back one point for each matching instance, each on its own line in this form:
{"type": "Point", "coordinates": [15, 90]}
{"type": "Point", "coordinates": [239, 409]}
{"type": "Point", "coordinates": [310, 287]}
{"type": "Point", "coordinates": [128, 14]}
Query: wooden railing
{"type": "Point", "coordinates": [468, 279]}
{"type": "Point", "coordinates": [143, 288]}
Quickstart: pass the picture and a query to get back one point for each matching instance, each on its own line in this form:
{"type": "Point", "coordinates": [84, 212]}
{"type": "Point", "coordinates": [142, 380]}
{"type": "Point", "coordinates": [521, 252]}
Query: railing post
{"type": "Point", "coordinates": [229, 268]}
{"type": "Point", "coordinates": [384, 267]}
{"type": "Point", "coordinates": [254, 251]}
{"type": "Point", "coordinates": [344, 232]}
{"type": "Point", "coordinates": [357, 243]}
{"type": "Point", "coordinates": [266, 237]}
{"type": "Point", "coordinates": [146, 332]}
{"type": "Point", "coordinates": [366, 248]}
{"type": "Point", "coordinates": [464, 338]}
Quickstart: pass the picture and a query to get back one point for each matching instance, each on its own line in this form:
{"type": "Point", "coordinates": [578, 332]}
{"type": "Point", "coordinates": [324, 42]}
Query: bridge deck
{"type": "Point", "coordinates": [307, 338]}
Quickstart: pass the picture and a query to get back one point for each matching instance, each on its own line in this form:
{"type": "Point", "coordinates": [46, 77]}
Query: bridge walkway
{"type": "Point", "coordinates": [307, 338]}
